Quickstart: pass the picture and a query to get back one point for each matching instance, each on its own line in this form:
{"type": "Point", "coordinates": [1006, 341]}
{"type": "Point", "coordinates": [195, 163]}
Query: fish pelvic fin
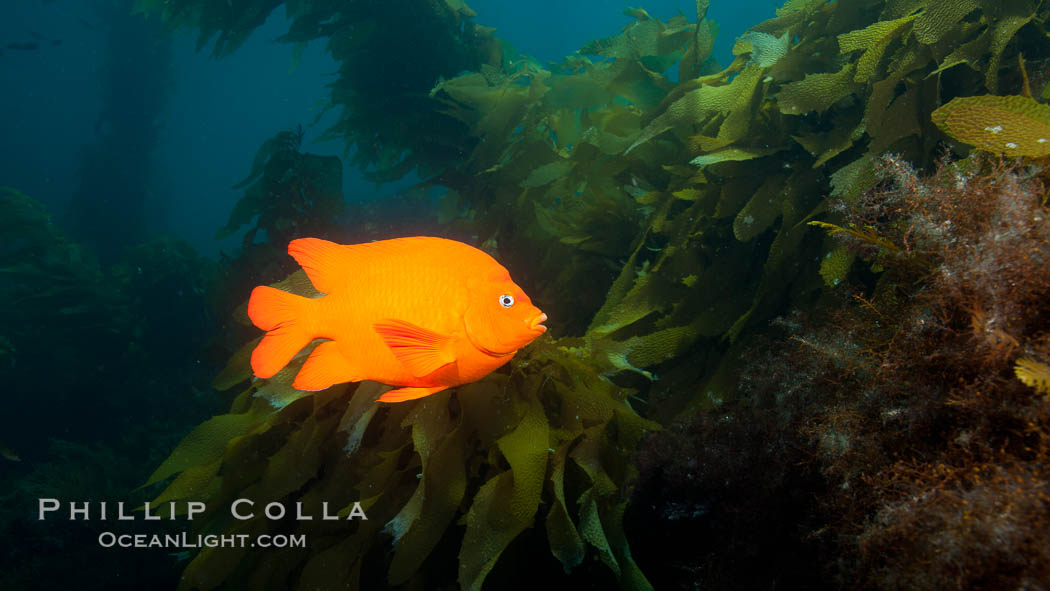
{"type": "Point", "coordinates": [324, 368]}
{"type": "Point", "coordinates": [403, 394]}
{"type": "Point", "coordinates": [283, 316]}
{"type": "Point", "coordinates": [420, 350]}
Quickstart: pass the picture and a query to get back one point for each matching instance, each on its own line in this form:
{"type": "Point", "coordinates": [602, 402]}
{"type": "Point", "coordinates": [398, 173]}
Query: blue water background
{"type": "Point", "coordinates": [220, 111]}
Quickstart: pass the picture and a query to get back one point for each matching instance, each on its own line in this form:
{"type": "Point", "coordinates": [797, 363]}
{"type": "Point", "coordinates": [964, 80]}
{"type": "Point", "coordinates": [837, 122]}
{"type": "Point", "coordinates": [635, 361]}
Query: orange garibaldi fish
{"type": "Point", "coordinates": [420, 313]}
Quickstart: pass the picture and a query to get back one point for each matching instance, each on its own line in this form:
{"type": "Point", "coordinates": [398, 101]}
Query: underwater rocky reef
{"type": "Point", "coordinates": [902, 422]}
{"type": "Point", "coordinates": [800, 331]}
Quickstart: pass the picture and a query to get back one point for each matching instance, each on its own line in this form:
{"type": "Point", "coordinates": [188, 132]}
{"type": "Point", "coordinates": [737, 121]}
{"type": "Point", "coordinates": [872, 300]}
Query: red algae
{"type": "Point", "coordinates": [883, 439]}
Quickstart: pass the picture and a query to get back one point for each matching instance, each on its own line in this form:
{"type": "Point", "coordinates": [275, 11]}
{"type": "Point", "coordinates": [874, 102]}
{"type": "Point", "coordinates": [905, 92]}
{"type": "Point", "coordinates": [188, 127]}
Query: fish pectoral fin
{"type": "Point", "coordinates": [324, 368]}
{"type": "Point", "coordinates": [403, 394]}
{"type": "Point", "coordinates": [421, 351]}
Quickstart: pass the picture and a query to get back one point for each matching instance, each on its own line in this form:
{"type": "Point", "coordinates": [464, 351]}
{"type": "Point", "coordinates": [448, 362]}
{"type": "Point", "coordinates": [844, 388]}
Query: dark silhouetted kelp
{"type": "Point", "coordinates": [98, 362]}
{"type": "Point", "coordinates": [110, 208]}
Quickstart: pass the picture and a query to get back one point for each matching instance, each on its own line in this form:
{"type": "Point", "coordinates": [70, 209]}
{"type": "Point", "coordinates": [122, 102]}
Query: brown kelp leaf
{"type": "Point", "coordinates": [335, 567]}
{"type": "Point", "coordinates": [267, 150]}
{"type": "Point", "coordinates": [700, 45]}
{"type": "Point", "coordinates": [1010, 125]}
{"type": "Point", "coordinates": [765, 49]}
{"type": "Point", "coordinates": [816, 92]}
{"type": "Point", "coordinates": [895, 9]}
{"type": "Point", "coordinates": [883, 95]}
{"type": "Point", "coordinates": [697, 105]}
{"type": "Point", "coordinates": [278, 390]}
{"type": "Point", "coordinates": [616, 293]}
{"type": "Point", "coordinates": [298, 460]}
{"type": "Point", "coordinates": [601, 521]}
{"type": "Point", "coordinates": [898, 121]}
{"type": "Point", "coordinates": [244, 211]}
{"type": "Point", "coordinates": [299, 284]}
{"type": "Point", "coordinates": [1004, 30]}
{"type": "Point", "coordinates": [630, 79]}
{"type": "Point", "coordinates": [460, 7]}
{"type": "Point", "coordinates": [735, 194]}
{"type": "Point", "coordinates": [790, 14]}
{"type": "Point", "coordinates": [196, 483]}
{"type": "Point", "coordinates": [238, 369]}
{"type": "Point", "coordinates": [565, 541]}
{"type": "Point", "coordinates": [939, 18]}
{"type": "Point", "coordinates": [602, 528]}
{"type": "Point", "coordinates": [835, 265]}
{"type": "Point", "coordinates": [594, 532]}
{"type": "Point", "coordinates": [970, 53]}
{"type": "Point", "coordinates": [641, 300]}
{"type": "Point", "coordinates": [639, 352]}
{"type": "Point", "coordinates": [803, 7]}
{"type": "Point", "coordinates": [546, 174]}
{"type": "Point", "coordinates": [824, 146]}
{"type": "Point", "coordinates": [359, 413]}
{"type": "Point", "coordinates": [742, 114]}
{"type": "Point", "coordinates": [733, 154]}
{"type": "Point", "coordinates": [762, 210]}
{"type": "Point", "coordinates": [506, 504]}
{"type": "Point", "coordinates": [784, 248]}
{"type": "Point", "coordinates": [573, 92]}
{"type": "Point", "coordinates": [421, 523]}
{"type": "Point", "coordinates": [643, 38]}
{"type": "Point", "coordinates": [873, 39]}
{"type": "Point", "coordinates": [204, 445]}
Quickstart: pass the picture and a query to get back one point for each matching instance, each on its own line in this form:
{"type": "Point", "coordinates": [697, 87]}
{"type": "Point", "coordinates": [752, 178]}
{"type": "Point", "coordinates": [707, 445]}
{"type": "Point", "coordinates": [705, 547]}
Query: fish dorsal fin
{"type": "Point", "coordinates": [326, 263]}
{"type": "Point", "coordinates": [422, 351]}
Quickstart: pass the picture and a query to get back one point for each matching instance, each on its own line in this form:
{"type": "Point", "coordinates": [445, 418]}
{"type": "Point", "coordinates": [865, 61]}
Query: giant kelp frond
{"type": "Point", "coordinates": [43, 273]}
{"type": "Point", "coordinates": [550, 443]}
{"type": "Point", "coordinates": [658, 45]}
{"type": "Point", "coordinates": [1009, 125]}
{"type": "Point", "coordinates": [390, 54]}
{"type": "Point", "coordinates": [290, 194]}
{"type": "Point", "coordinates": [549, 156]}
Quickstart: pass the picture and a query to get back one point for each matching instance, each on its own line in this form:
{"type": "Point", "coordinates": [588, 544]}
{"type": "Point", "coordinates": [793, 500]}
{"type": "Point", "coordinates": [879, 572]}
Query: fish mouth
{"type": "Point", "coordinates": [537, 323]}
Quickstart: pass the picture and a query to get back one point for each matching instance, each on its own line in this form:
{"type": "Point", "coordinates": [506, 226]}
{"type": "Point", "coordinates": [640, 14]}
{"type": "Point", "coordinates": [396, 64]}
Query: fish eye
{"type": "Point", "coordinates": [506, 300]}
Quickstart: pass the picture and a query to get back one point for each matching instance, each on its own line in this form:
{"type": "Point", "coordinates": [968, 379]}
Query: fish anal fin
{"type": "Point", "coordinates": [422, 351]}
{"type": "Point", "coordinates": [324, 368]}
{"type": "Point", "coordinates": [326, 263]}
{"type": "Point", "coordinates": [403, 394]}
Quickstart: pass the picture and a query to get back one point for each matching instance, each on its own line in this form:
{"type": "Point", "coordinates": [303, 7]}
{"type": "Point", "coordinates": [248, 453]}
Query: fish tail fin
{"type": "Point", "coordinates": [283, 316]}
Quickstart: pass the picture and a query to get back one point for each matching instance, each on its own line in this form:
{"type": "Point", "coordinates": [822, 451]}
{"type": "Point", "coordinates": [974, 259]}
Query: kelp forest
{"type": "Point", "coordinates": [799, 310]}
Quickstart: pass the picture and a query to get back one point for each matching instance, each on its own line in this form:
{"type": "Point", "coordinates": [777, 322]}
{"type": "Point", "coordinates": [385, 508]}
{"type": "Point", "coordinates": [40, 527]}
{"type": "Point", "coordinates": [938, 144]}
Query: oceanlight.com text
{"type": "Point", "coordinates": [190, 541]}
